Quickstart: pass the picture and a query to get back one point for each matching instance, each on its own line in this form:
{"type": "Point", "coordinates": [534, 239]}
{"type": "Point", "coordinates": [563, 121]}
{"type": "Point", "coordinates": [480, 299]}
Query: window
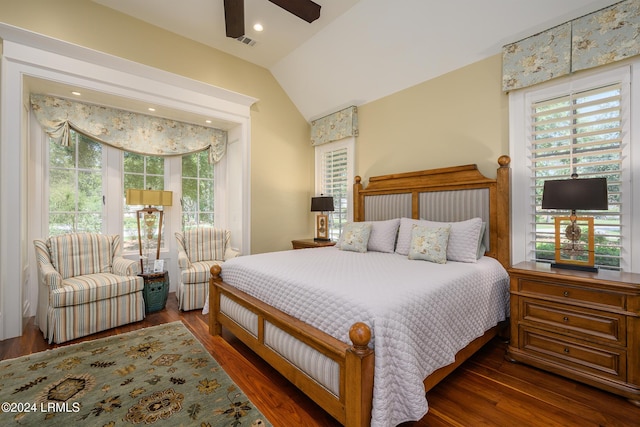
{"type": "Point", "coordinates": [580, 125]}
{"type": "Point", "coordinates": [140, 172]}
{"type": "Point", "coordinates": [75, 186]}
{"type": "Point", "coordinates": [197, 190]}
{"type": "Point", "coordinates": [334, 177]}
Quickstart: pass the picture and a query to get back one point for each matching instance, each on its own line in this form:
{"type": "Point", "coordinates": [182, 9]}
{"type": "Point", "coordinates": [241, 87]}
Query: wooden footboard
{"type": "Point", "coordinates": [351, 405]}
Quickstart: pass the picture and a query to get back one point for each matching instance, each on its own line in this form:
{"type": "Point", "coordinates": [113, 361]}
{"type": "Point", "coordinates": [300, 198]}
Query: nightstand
{"type": "Point", "coordinates": [311, 243]}
{"type": "Point", "coordinates": [585, 326]}
{"type": "Point", "coordinates": [156, 290]}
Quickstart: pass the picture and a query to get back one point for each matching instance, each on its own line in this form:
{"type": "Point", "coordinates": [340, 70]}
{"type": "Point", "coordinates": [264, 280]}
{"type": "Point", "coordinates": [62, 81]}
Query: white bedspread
{"type": "Point", "coordinates": [420, 313]}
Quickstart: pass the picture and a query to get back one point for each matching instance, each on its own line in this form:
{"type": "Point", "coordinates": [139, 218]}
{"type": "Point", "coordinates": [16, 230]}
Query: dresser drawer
{"type": "Point", "coordinates": [594, 325]}
{"type": "Point", "coordinates": [593, 359]}
{"type": "Point", "coordinates": [572, 294]}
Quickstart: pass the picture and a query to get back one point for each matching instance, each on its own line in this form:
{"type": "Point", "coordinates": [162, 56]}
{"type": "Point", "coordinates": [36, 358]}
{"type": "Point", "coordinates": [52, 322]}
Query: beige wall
{"type": "Point", "coordinates": [281, 156]}
{"type": "Point", "coordinates": [456, 119]}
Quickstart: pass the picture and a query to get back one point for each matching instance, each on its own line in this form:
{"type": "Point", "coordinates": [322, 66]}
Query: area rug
{"type": "Point", "coordinates": [160, 375]}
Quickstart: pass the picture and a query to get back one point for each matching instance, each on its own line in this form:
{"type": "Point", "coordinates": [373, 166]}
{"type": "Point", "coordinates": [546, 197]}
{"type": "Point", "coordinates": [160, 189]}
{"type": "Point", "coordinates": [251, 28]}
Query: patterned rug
{"type": "Point", "coordinates": [160, 375]}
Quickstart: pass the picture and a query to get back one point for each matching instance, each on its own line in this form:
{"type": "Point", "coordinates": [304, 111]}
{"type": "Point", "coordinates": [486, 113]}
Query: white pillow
{"type": "Point", "coordinates": [465, 239]}
{"type": "Point", "coordinates": [355, 236]}
{"type": "Point", "coordinates": [404, 234]}
{"type": "Point", "coordinates": [429, 243]}
{"type": "Point", "coordinates": [383, 235]}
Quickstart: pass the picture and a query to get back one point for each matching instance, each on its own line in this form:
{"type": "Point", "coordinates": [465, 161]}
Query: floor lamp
{"type": "Point", "coordinates": [151, 218]}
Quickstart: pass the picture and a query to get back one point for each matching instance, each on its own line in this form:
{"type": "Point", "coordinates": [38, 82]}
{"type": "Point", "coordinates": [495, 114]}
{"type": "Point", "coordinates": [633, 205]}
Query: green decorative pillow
{"type": "Point", "coordinates": [429, 243]}
{"type": "Point", "coordinates": [355, 236]}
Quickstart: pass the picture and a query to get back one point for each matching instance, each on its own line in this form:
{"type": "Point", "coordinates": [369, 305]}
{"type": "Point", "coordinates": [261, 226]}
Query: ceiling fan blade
{"type": "Point", "coordinates": [234, 18]}
{"type": "Point", "coordinates": [303, 9]}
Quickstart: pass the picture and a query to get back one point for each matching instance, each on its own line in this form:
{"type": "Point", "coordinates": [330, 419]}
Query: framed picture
{"type": "Point", "coordinates": [158, 266]}
{"type": "Point", "coordinates": [322, 227]}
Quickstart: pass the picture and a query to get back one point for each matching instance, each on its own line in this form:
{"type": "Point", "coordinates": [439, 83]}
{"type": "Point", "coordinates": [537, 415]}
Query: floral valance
{"type": "Point", "coordinates": [135, 132]}
{"type": "Point", "coordinates": [341, 124]}
{"type": "Point", "coordinates": [599, 38]}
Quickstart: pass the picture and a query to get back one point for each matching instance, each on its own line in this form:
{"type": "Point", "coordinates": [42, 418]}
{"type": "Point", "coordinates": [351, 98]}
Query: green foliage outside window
{"type": "Point", "coordinates": [197, 190]}
{"type": "Point", "coordinates": [75, 186]}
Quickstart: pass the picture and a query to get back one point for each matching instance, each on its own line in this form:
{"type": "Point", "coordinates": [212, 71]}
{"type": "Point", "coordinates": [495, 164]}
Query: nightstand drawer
{"type": "Point", "coordinates": [572, 294]}
{"type": "Point", "coordinates": [609, 328]}
{"type": "Point", "coordinates": [593, 359]}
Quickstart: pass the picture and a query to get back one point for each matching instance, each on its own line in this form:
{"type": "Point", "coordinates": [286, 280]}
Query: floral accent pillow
{"type": "Point", "coordinates": [429, 243]}
{"type": "Point", "coordinates": [355, 236]}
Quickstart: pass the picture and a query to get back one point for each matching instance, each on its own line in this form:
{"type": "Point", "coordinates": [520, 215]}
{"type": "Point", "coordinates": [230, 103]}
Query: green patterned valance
{"type": "Point", "coordinates": [600, 38]}
{"type": "Point", "coordinates": [138, 133]}
{"type": "Point", "coordinates": [341, 124]}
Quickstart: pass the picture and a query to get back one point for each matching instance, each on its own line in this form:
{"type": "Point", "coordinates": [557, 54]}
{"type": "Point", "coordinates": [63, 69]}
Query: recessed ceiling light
{"type": "Point", "coordinates": [258, 27]}
{"type": "Point", "coordinates": [207, 121]}
{"type": "Point", "coordinates": [152, 109]}
{"type": "Point", "coordinates": [76, 93]}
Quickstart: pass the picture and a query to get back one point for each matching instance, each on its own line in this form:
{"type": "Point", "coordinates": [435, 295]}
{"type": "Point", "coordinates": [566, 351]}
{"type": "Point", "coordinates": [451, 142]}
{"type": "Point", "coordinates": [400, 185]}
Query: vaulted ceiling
{"type": "Point", "coordinates": [360, 50]}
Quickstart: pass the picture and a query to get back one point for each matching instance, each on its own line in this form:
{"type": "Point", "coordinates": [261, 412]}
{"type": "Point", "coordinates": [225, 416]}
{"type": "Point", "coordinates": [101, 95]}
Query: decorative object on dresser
{"type": "Point", "coordinates": [582, 325]}
{"type": "Point", "coordinates": [322, 204]}
{"type": "Point", "coordinates": [156, 290]}
{"type": "Point", "coordinates": [575, 251]}
{"type": "Point", "coordinates": [151, 218]}
{"type": "Point", "coordinates": [311, 243]}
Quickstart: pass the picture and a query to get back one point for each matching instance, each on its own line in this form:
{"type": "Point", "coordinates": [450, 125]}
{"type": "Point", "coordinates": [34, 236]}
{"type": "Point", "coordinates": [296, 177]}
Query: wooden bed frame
{"type": "Point", "coordinates": [356, 361]}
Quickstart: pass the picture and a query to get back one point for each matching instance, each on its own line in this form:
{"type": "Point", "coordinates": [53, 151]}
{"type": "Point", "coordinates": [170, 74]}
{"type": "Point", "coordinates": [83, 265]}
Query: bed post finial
{"type": "Point", "coordinates": [360, 335]}
{"type": "Point", "coordinates": [504, 161]}
{"type": "Point", "coordinates": [215, 271]}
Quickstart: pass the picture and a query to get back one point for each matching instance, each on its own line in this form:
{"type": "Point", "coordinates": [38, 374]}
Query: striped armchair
{"type": "Point", "coordinates": [198, 250]}
{"type": "Point", "coordinates": [85, 286]}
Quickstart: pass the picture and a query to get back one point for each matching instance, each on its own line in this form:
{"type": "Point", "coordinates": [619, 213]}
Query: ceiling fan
{"type": "Point", "coordinates": [234, 13]}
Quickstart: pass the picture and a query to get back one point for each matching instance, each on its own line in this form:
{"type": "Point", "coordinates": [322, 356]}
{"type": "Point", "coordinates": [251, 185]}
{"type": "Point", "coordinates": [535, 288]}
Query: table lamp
{"type": "Point", "coordinates": [573, 250]}
{"type": "Point", "coordinates": [322, 204]}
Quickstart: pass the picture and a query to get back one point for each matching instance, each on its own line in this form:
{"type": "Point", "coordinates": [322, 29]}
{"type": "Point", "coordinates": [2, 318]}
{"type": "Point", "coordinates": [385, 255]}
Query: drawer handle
{"type": "Point", "coordinates": [566, 319]}
{"type": "Point", "coordinates": [566, 293]}
{"type": "Point", "coordinates": [566, 350]}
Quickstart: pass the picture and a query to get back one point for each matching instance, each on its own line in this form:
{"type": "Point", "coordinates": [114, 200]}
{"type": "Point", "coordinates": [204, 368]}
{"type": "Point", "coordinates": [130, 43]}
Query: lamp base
{"type": "Point", "coordinates": [574, 267]}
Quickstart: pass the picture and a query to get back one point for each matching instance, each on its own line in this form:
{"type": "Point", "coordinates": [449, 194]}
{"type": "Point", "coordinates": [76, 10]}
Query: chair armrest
{"type": "Point", "coordinates": [47, 274]}
{"type": "Point", "coordinates": [183, 260]}
{"type": "Point", "coordinates": [230, 253]}
{"type": "Point", "coordinates": [50, 276]}
{"type": "Point", "coordinates": [125, 267]}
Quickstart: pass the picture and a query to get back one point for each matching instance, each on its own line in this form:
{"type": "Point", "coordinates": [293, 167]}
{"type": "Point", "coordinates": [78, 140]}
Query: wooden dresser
{"type": "Point", "coordinates": [585, 326]}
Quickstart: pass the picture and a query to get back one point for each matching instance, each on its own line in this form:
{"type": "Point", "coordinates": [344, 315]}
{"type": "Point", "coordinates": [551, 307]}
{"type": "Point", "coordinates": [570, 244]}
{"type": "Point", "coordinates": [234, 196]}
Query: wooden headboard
{"type": "Point", "coordinates": [446, 194]}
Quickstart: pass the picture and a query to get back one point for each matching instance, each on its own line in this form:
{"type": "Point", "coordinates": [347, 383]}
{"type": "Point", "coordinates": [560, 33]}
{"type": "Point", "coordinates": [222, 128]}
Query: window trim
{"type": "Point", "coordinates": [519, 102]}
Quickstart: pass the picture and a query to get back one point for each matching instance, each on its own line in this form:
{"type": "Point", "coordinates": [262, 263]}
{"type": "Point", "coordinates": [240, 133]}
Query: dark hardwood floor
{"type": "Point", "coordinates": [485, 391]}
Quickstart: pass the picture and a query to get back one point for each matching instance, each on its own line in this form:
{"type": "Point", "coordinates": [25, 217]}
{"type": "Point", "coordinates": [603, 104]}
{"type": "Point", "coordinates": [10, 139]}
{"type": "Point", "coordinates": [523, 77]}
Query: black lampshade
{"type": "Point", "coordinates": [575, 194]}
{"type": "Point", "coordinates": [322, 204]}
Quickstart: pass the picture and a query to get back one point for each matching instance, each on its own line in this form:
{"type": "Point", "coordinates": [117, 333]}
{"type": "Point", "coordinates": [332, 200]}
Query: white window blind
{"type": "Point", "coordinates": [580, 132]}
{"type": "Point", "coordinates": [334, 177]}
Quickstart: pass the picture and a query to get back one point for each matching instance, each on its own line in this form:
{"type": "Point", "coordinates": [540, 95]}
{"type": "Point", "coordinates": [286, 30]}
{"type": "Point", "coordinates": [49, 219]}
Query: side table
{"type": "Point", "coordinates": [311, 243]}
{"type": "Point", "coordinates": [156, 290]}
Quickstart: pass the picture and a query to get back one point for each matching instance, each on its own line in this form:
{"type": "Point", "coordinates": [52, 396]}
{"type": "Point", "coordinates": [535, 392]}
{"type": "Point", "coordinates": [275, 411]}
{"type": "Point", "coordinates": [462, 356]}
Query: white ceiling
{"type": "Point", "coordinates": [361, 50]}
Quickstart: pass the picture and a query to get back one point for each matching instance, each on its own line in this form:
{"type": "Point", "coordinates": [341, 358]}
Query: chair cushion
{"type": "Point", "coordinates": [206, 243]}
{"type": "Point", "coordinates": [94, 287]}
{"type": "Point", "coordinates": [79, 254]}
{"type": "Point", "coordinates": [198, 272]}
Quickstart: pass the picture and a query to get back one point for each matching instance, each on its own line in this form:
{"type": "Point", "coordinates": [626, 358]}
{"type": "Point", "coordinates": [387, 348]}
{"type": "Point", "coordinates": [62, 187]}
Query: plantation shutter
{"type": "Point", "coordinates": [334, 182]}
{"type": "Point", "coordinates": [580, 132]}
